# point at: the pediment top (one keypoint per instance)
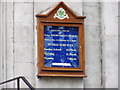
(60, 11)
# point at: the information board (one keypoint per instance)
(61, 46)
(60, 43)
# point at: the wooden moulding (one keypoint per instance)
(73, 21)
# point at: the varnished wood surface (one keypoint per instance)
(61, 75)
(73, 21)
(56, 7)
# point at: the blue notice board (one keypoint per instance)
(61, 47)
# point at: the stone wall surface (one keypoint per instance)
(18, 44)
(92, 44)
(109, 25)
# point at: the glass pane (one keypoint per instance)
(61, 46)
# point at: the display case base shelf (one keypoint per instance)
(60, 75)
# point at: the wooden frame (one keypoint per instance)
(73, 21)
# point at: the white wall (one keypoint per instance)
(92, 44)
(18, 44)
(109, 24)
(3, 42)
